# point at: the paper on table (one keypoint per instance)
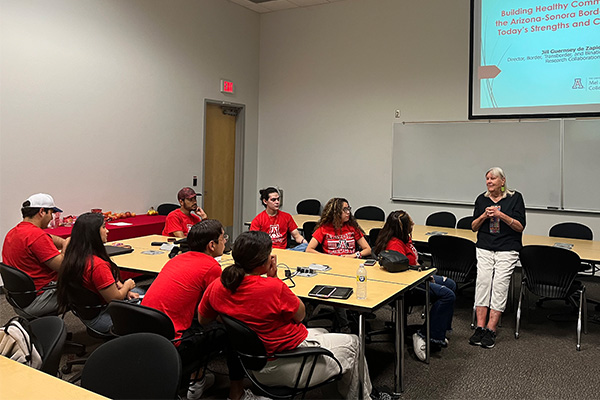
(120, 223)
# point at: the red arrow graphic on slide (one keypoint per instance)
(488, 71)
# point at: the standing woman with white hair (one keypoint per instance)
(499, 220)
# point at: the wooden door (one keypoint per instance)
(219, 165)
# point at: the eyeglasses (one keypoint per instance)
(347, 209)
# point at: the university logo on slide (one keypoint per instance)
(577, 84)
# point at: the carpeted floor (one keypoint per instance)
(542, 364)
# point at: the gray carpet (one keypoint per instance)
(541, 364)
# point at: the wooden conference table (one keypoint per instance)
(18, 381)
(382, 288)
(588, 250)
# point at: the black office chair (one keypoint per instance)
(309, 207)
(308, 228)
(550, 272)
(85, 305)
(51, 334)
(572, 230)
(373, 234)
(136, 366)
(372, 213)
(464, 222)
(253, 357)
(20, 290)
(454, 257)
(166, 208)
(443, 219)
(575, 230)
(129, 318)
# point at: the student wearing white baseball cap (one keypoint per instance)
(35, 252)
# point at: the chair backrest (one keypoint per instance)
(444, 219)
(131, 318)
(19, 287)
(309, 207)
(453, 257)
(549, 271)
(464, 222)
(373, 234)
(372, 213)
(136, 366)
(51, 334)
(308, 228)
(166, 208)
(572, 230)
(246, 343)
(84, 303)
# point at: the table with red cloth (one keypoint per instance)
(141, 225)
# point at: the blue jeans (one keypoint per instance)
(442, 310)
(103, 323)
(300, 247)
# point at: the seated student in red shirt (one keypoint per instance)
(179, 221)
(396, 235)
(33, 251)
(338, 232)
(276, 223)
(87, 264)
(177, 291)
(269, 307)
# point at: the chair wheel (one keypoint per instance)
(516, 335)
(578, 347)
(66, 369)
(472, 326)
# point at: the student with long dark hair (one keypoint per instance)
(396, 235)
(270, 309)
(86, 263)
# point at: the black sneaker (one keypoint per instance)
(475, 339)
(489, 339)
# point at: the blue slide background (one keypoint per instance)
(536, 82)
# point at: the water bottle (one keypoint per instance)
(361, 282)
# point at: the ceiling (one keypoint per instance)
(267, 6)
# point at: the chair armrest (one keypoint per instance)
(304, 351)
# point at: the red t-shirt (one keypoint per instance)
(338, 243)
(277, 227)
(27, 248)
(266, 305)
(99, 277)
(178, 221)
(180, 285)
(405, 248)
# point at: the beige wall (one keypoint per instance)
(102, 101)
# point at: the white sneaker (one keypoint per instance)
(248, 395)
(197, 389)
(420, 347)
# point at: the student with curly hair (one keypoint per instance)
(338, 232)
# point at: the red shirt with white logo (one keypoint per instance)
(277, 227)
(340, 242)
(178, 221)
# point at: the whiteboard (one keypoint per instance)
(446, 162)
(581, 165)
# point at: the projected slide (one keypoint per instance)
(536, 54)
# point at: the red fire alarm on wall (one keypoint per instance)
(226, 86)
